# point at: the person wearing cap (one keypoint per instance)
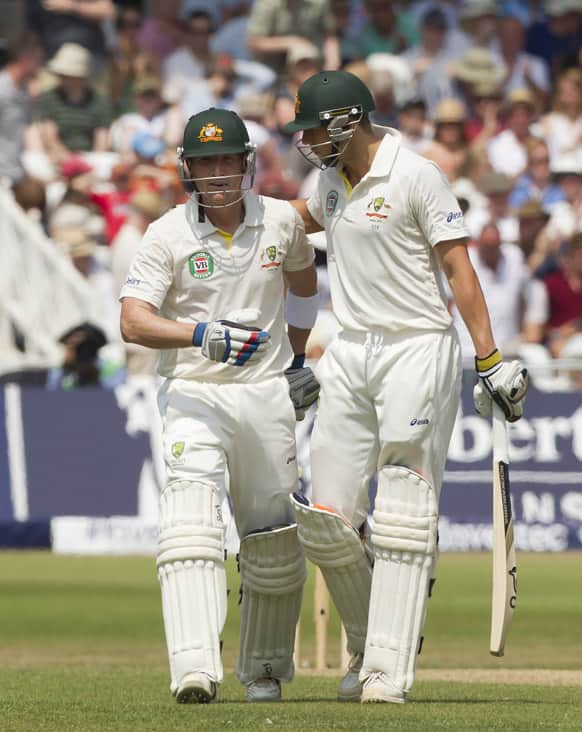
(390, 382)
(532, 219)
(72, 117)
(507, 150)
(151, 115)
(414, 125)
(566, 216)
(497, 188)
(206, 288)
(432, 48)
(478, 20)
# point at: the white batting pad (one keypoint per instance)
(272, 568)
(190, 559)
(335, 546)
(404, 540)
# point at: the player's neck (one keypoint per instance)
(360, 155)
(227, 218)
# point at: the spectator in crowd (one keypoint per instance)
(231, 36)
(24, 60)
(151, 115)
(524, 70)
(277, 25)
(303, 60)
(497, 188)
(347, 29)
(386, 31)
(536, 183)
(128, 61)
(477, 68)
(562, 126)
(81, 22)
(449, 147)
(82, 365)
(191, 59)
(414, 126)
(72, 117)
(144, 207)
(485, 101)
(557, 37)
(507, 150)
(432, 50)
(161, 32)
(566, 216)
(532, 219)
(514, 304)
(478, 20)
(565, 296)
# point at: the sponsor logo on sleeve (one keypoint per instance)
(454, 217)
(201, 265)
(134, 281)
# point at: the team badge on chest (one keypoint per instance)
(270, 254)
(331, 203)
(201, 265)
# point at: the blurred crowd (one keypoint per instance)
(94, 96)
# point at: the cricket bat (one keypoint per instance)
(504, 567)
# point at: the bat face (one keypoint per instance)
(504, 596)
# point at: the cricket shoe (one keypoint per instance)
(378, 688)
(264, 690)
(196, 688)
(350, 688)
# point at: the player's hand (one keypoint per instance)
(303, 388)
(232, 340)
(501, 382)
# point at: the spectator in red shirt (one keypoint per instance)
(565, 296)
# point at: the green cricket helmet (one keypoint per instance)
(217, 132)
(336, 100)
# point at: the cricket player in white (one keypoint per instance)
(207, 288)
(391, 381)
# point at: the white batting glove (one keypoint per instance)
(303, 386)
(504, 383)
(231, 340)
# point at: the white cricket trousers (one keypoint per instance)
(247, 428)
(385, 400)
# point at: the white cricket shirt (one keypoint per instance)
(383, 271)
(187, 270)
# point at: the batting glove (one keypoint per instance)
(232, 341)
(303, 386)
(501, 382)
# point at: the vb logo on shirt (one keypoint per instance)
(201, 265)
(331, 203)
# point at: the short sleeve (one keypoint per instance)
(435, 207)
(300, 253)
(151, 272)
(315, 208)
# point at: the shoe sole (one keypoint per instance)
(195, 695)
(384, 700)
(349, 697)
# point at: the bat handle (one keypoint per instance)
(500, 443)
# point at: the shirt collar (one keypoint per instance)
(254, 215)
(386, 152)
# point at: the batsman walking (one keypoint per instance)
(390, 383)
(207, 288)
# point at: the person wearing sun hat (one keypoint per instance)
(72, 117)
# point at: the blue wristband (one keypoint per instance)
(198, 334)
(298, 361)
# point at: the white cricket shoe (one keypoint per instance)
(350, 688)
(378, 688)
(196, 688)
(264, 690)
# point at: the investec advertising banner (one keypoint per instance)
(88, 465)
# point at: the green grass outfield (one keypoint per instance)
(82, 648)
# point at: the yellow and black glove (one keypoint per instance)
(501, 382)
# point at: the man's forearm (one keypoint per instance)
(151, 330)
(471, 304)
